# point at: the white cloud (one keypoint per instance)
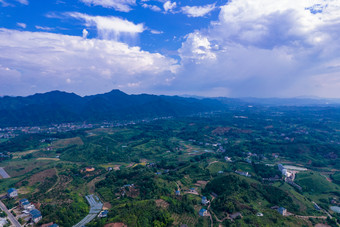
(44, 28)
(196, 48)
(109, 27)
(85, 33)
(5, 3)
(156, 32)
(198, 11)
(42, 61)
(119, 5)
(24, 2)
(21, 25)
(152, 7)
(169, 6)
(265, 48)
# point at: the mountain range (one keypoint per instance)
(60, 107)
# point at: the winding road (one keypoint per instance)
(95, 207)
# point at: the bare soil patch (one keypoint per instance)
(41, 176)
(22, 153)
(67, 142)
(107, 206)
(161, 203)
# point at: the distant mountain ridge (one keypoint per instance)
(59, 107)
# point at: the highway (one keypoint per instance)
(9, 215)
(95, 207)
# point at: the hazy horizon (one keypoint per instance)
(180, 95)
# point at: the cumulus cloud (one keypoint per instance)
(152, 7)
(41, 61)
(169, 6)
(198, 11)
(109, 27)
(266, 48)
(196, 48)
(85, 33)
(119, 5)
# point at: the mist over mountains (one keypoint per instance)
(59, 107)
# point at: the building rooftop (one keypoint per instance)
(35, 213)
(11, 190)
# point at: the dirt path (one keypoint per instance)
(92, 184)
(56, 183)
(210, 211)
(212, 162)
(307, 217)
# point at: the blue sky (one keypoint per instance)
(239, 48)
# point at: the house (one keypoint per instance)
(192, 190)
(204, 200)
(282, 211)
(280, 167)
(259, 214)
(3, 221)
(12, 193)
(21, 201)
(220, 172)
(89, 169)
(246, 174)
(227, 159)
(103, 214)
(35, 215)
(30, 207)
(178, 192)
(109, 168)
(25, 205)
(203, 212)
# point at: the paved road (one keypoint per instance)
(3, 173)
(9, 215)
(95, 207)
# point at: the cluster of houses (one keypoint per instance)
(26, 206)
(30, 209)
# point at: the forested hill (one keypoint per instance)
(59, 107)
